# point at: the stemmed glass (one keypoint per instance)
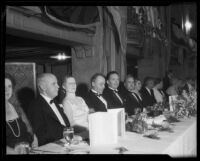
(68, 134)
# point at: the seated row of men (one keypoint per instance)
(48, 118)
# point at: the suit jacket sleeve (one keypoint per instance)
(45, 129)
(38, 123)
(89, 101)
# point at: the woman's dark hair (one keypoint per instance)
(157, 81)
(147, 79)
(110, 73)
(137, 80)
(11, 78)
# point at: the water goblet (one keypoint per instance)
(68, 134)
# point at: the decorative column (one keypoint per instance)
(168, 55)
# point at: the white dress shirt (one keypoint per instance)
(101, 98)
(54, 108)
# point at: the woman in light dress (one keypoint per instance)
(74, 107)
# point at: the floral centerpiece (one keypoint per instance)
(185, 104)
(157, 109)
(184, 108)
(136, 123)
(143, 124)
(160, 118)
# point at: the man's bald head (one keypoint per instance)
(47, 85)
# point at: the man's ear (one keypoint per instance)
(42, 87)
(107, 82)
(92, 84)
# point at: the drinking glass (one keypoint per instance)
(68, 134)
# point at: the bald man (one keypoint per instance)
(46, 116)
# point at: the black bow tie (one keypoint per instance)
(116, 91)
(52, 101)
(98, 95)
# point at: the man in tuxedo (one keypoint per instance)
(46, 116)
(133, 103)
(147, 92)
(95, 99)
(111, 93)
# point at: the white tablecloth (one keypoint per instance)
(180, 143)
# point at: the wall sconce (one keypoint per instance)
(188, 26)
(61, 56)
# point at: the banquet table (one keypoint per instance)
(182, 142)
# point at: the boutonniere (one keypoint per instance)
(61, 105)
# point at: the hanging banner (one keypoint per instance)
(117, 17)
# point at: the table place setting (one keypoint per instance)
(77, 147)
(69, 144)
(74, 144)
(61, 147)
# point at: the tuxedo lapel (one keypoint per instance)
(60, 109)
(97, 100)
(152, 93)
(147, 93)
(115, 97)
(47, 109)
(134, 96)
